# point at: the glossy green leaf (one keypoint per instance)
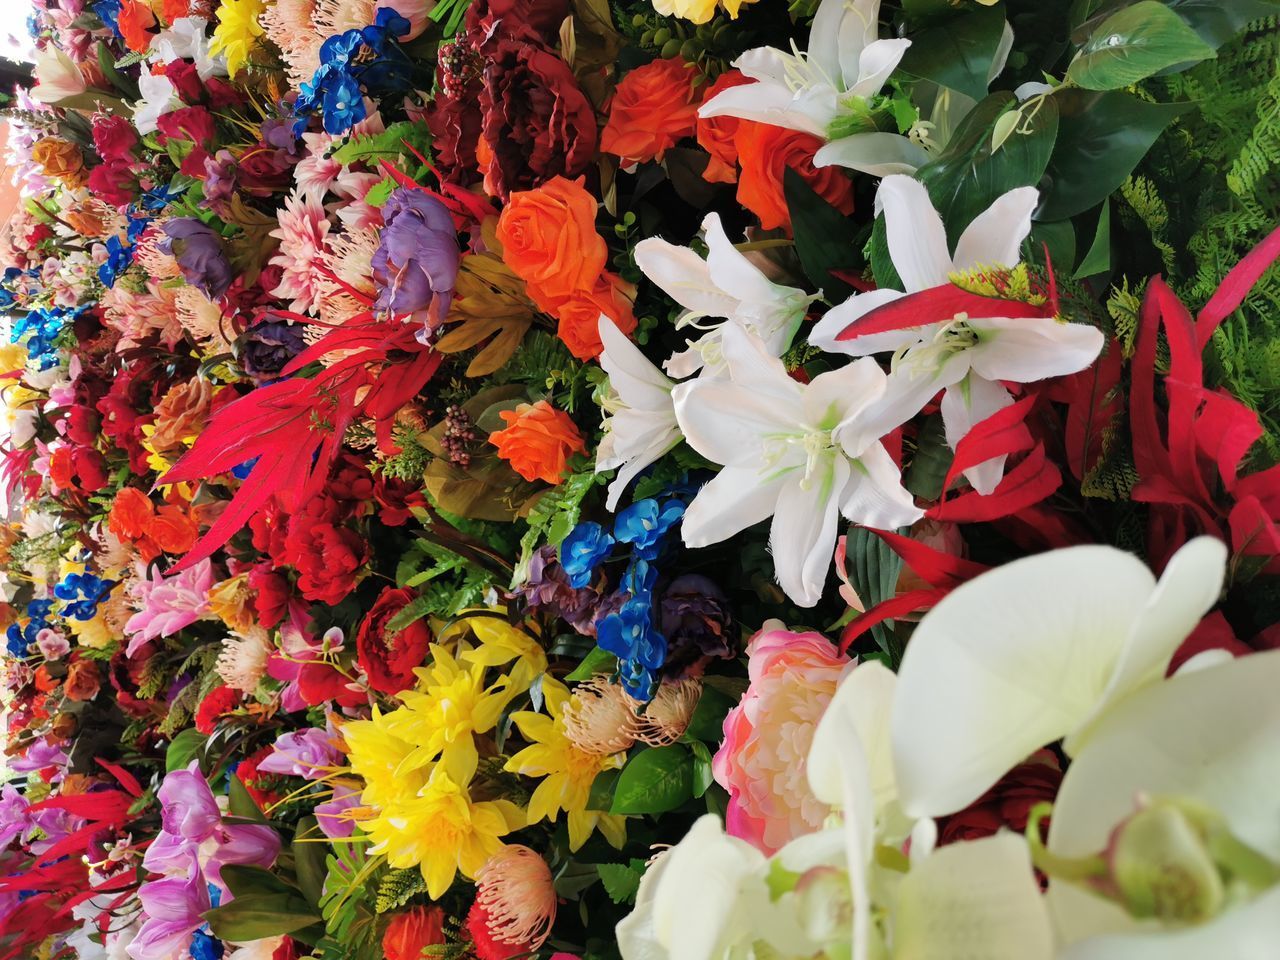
(183, 748)
(258, 917)
(928, 469)
(1098, 259)
(703, 776)
(1217, 21)
(309, 850)
(240, 803)
(1133, 44)
(826, 239)
(1101, 138)
(597, 661)
(958, 53)
(707, 722)
(873, 570)
(602, 788)
(655, 781)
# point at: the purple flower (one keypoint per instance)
(38, 756)
(696, 621)
(416, 263)
(14, 818)
(198, 250)
(305, 753)
(330, 814)
(220, 182)
(172, 908)
(279, 134)
(267, 346)
(548, 586)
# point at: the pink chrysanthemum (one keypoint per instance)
(303, 231)
(289, 25)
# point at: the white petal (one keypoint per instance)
(751, 363)
(839, 396)
(1211, 736)
(974, 899)
(731, 271)
(876, 496)
(971, 401)
(833, 27)
(684, 277)
(728, 422)
(803, 536)
(878, 60)
(1028, 349)
(767, 65)
(876, 154)
(766, 103)
(909, 388)
(734, 499)
(995, 236)
(687, 362)
(916, 236)
(1007, 663)
(1249, 932)
(638, 382)
(838, 318)
(645, 448)
(865, 697)
(1186, 591)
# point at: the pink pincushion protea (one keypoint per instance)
(766, 737)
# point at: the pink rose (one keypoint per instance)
(766, 737)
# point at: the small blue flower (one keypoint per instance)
(337, 51)
(343, 104)
(644, 524)
(108, 12)
(16, 642)
(119, 257)
(242, 471)
(205, 947)
(640, 578)
(637, 680)
(582, 550)
(641, 650)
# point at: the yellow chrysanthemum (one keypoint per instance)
(237, 32)
(441, 831)
(375, 753)
(453, 702)
(567, 770)
(95, 634)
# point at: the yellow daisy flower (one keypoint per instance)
(237, 32)
(567, 770)
(376, 753)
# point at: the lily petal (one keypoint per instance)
(879, 154)
(995, 236)
(685, 277)
(876, 496)
(1028, 349)
(803, 536)
(971, 401)
(838, 318)
(732, 500)
(877, 62)
(915, 233)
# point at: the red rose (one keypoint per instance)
(327, 557)
(263, 172)
(396, 498)
(654, 106)
(221, 94)
(388, 658)
(194, 124)
(186, 81)
(1007, 803)
(114, 182)
(114, 137)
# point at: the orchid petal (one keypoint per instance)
(1007, 663)
(994, 238)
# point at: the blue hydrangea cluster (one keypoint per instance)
(20, 639)
(629, 632)
(81, 593)
(351, 64)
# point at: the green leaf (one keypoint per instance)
(1098, 259)
(826, 239)
(928, 469)
(707, 722)
(703, 776)
(309, 853)
(183, 748)
(621, 880)
(260, 916)
(398, 887)
(1134, 44)
(600, 796)
(1217, 21)
(240, 803)
(958, 53)
(597, 661)
(1101, 138)
(873, 569)
(654, 781)
(387, 145)
(971, 173)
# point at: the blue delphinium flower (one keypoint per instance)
(582, 551)
(645, 523)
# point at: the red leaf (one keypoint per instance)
(1002, 433)
(934, 566)
(934, 305)
(890, 609)
(1031, 481)
(1236, 286)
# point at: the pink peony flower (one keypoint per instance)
(766, 737)
(168, 604)
(303, 231)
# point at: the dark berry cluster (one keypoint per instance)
(459, 432)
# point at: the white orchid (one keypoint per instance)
(185, 39)
(158, 96)
(801, 453)
(641, 426)
(966, 356)
(825, 91)
(725, 285)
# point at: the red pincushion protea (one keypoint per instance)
(515, 904)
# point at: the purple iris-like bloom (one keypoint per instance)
(14, 818)
(220, 182)
(416, 264)
(331, 815)
(548, 586)
(172, 908)
(304, 753)
(695, 619)
(268, 346)
(200, 255)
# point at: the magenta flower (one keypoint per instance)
(169, 604)
(305, 753)
(332, 814)
(172, 908)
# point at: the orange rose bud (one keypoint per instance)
(580, 315)
(716, 134)
(549, 240)
(412, 930)
(538, 441)
(653, 107)
(765, 152)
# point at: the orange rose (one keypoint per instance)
(411, 931)
(538, 441)
(549, 241)
(716, 134)
(765, 152)
(580, 315)
(61, 160)
(172, 530)
(130, 514)
(182, 413)
(83, 681)
(654, 106)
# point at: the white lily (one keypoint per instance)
(824, 92)
(57, 76)
(1211, 737)
(185, 39)
(801, 453)
(158, 96)
(968, 357)
(641, 425)
(1032, 652)
(725, 285)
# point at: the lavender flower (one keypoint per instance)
(416, 264)
(199, 253)
(304, 753)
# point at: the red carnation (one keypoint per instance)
(388, 658)
(219, 701)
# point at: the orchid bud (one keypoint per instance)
(1162, 866)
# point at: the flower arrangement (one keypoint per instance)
(488, 479)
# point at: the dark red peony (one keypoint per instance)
(387, 657)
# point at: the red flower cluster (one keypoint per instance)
(388, 658)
